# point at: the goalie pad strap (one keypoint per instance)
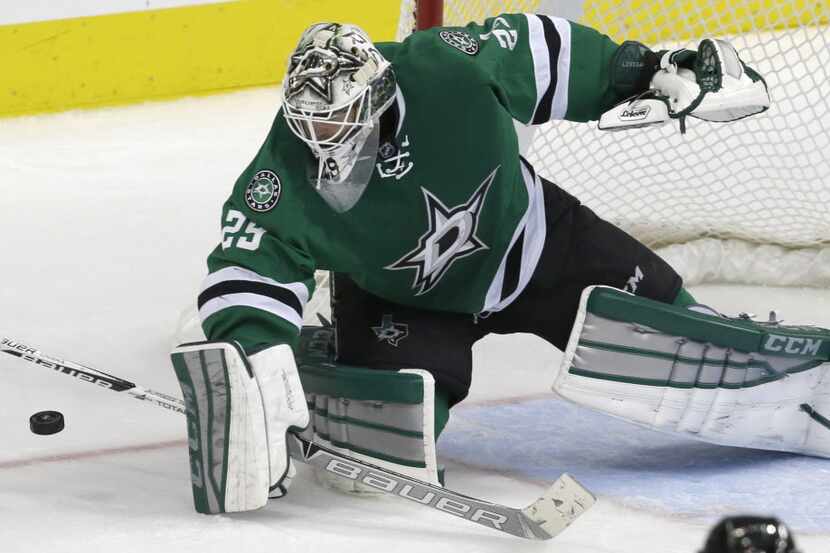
(726, 381)
(225, 427)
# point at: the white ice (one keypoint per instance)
(107, 217)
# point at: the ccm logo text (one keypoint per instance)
(792, 345)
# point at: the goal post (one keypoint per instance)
(428, 13)
(745, 202)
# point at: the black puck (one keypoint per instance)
(746, 534)
(46, 422)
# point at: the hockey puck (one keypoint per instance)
(46, 422)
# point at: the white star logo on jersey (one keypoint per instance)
(451, 236)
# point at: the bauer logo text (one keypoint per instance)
(33, 356)
(420, 494)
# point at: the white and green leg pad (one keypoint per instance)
(225, 427)
(722, 380)
(384, 417)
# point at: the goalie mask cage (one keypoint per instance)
(747, 201)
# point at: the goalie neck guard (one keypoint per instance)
(335, 90)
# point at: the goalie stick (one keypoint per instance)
(543, 519)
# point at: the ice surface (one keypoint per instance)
(107, 217)
(639, 468)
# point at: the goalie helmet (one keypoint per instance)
(336, 88)
(750, 534)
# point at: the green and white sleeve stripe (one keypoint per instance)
(550, 47)
(239, 287)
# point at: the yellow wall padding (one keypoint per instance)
(121, 58)
(651, 21)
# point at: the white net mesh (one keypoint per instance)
(761, 181)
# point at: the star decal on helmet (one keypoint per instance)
(315, 68)
(451, 236)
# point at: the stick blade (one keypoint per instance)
(560, 505)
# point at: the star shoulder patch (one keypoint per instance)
(451, 236)
(263, 192)
(460, 40)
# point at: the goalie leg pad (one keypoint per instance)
(225, 428)
(726, 381)
(384, 417)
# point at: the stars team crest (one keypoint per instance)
(451, 236)
(461, 41)
(263, 191)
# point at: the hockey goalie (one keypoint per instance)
(396, 167)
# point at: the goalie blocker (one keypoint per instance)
(726, 381)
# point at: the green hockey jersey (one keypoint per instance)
(452, 218)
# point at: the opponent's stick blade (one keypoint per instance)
(561, 504)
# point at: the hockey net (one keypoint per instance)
(741, 202)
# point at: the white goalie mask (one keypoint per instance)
(335, 90)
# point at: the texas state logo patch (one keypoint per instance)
(263, 191)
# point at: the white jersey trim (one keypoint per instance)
(541, 65)
(560, 97)
(534, 226)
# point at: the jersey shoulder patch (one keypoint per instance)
(263, 191)
(460, 40)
